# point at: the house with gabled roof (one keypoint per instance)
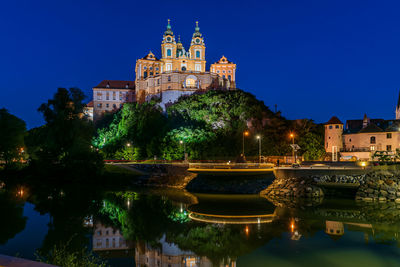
(359, 139)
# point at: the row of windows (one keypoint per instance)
(122, 95)
(373, 138)
(151, 68)
(150, 73)
(336, 127)
(99, 243)
(107, 232)
(224, 71)
(114, 106)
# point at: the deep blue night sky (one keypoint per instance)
(314, 59)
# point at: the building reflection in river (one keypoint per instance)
(169, 255)
(108, 240)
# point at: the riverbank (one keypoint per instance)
(377, 184)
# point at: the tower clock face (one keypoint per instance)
(197, 41)
(169, 39)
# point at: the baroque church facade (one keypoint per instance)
(176, 73)
(180, 71)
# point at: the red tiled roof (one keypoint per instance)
(334, 120)
(90, 104)
(112, 84)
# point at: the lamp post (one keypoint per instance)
(292, 136)
(184, 149)
(245, 133)
(259, 148)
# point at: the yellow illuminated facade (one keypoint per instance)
(181, 70)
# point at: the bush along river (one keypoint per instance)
(129, 226)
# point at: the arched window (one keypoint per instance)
(197, 54)
(169, 52)
(190, 82)
(373, 140)
(229, 77)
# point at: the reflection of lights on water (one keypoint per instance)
(128, 203)
(20, 192)
(181, 210)
(246, 230)
(292, 226)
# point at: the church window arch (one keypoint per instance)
(197, 54)
(169, 52)
(191, 81)
(372, 140)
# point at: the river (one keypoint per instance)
(146, 227)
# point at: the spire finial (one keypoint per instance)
(169, 25)
(197, 26)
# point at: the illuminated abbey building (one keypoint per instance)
(177, 72)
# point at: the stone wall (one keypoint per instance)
(376, 185)
(380, 186)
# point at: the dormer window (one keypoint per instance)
(127, 86)
(108, 85)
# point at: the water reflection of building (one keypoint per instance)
(334, 229)
(168, 255)
(108, 239)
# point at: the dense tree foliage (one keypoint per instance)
(206, 126)
(12, 132)
(65, 139)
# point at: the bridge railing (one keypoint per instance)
(231, 165)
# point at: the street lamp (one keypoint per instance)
(128, 144)
(184, 148)
(259, 148)
(245, 133)
(292, 136)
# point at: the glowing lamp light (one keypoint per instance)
(246, 133)
(128, 144)
(258, 137)
(291, 135)
(246, 230)
(363, 164)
